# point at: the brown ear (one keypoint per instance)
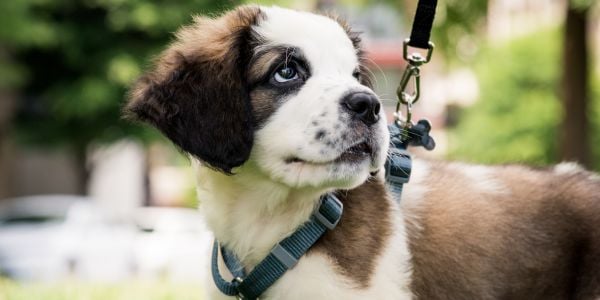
(197, 93)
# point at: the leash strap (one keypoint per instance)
(422, 23)
(403, 133)
(282, 257)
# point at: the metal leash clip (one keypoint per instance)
(412, 73)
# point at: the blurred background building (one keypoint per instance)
(511, 81)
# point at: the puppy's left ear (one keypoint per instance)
(197, 94)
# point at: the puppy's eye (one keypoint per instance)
(285, 74)
(356, 75)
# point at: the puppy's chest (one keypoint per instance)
(350, 262)
(364, 257)
(318, 276)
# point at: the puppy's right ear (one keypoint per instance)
(197, 94)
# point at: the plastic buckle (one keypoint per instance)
(329, 199)
(398, 166)
(284, 256)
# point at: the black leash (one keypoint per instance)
(422, 23)
(403, 132)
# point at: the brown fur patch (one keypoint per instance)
(263, 104)
(262, 61)
(206, 39)
(263, 99)
(198, 92)
(358, 241)
(536, 240)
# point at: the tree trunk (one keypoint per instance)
(83, 169)
(574, 143)
(6, 153)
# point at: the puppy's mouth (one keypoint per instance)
(353, 154)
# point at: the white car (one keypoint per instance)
(29, 231)
(52, 238)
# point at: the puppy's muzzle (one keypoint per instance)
(363, 106)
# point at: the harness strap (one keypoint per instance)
(422, 23)
(226, 287)
(282, 257)
(398, 165)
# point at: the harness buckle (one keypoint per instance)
(398, 166)
(238, 281)
(329, 200)
(239, 295)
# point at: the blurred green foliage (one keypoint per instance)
(458, 27)
(72, 62)
(518, 115)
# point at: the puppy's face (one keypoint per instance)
(271, 90)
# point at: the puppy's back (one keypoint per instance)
(507, 232)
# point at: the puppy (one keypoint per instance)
(274, 108)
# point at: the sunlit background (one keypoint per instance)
(94, 207)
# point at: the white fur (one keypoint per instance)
(413, 193)
(568, 168)
(482, 178)
(268, 198)
(290, 131)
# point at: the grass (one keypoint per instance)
(11, 290)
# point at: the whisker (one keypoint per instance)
(372, 62)
(371, 75)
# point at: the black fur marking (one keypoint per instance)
(203, 106)
(364, 76)
(320, 134)
(286, 53)
(274, 94)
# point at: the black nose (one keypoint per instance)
(365, 106)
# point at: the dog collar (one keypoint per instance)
(282, 257)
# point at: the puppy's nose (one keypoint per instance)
(365, 106)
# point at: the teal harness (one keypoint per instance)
(286, 253)
(282, 257)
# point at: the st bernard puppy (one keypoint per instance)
(274, 108)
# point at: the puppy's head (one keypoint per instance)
(268, 90)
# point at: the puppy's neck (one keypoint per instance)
(249, 213)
